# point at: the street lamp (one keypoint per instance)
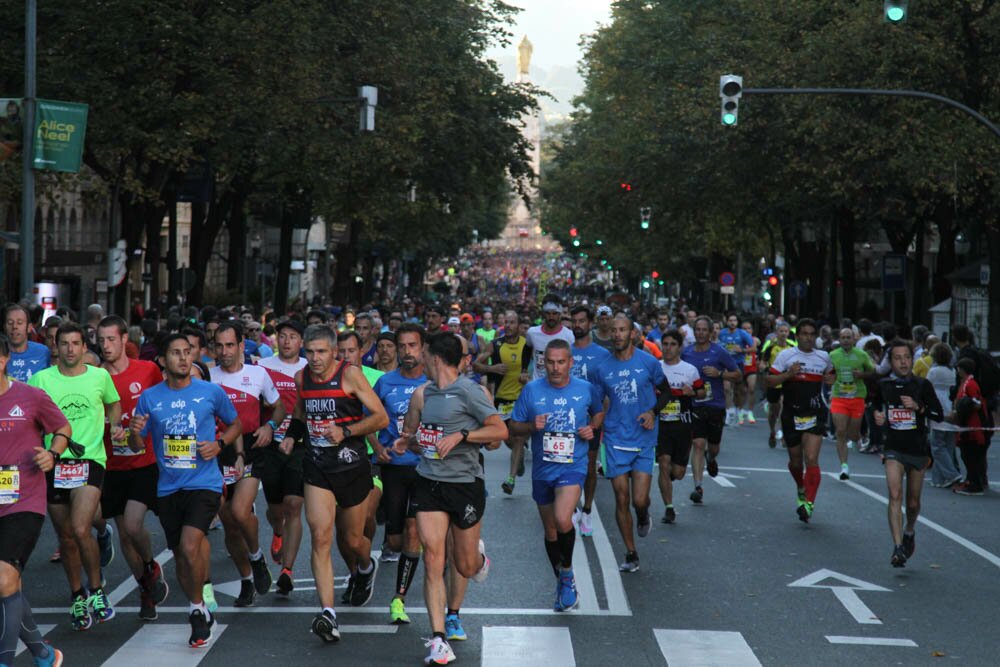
(962, 244)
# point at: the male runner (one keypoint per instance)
(281, 474)
(772, 348)
(738, 343)
(486, 330)
(905, 402)
(179, 417)
(602, 333)
(538, 338)
(249, 388)
(337, 473)
(448, 420)
(662, 326)
(629, 379)
(87, 396)
(26, 357)
(364, 326)
(29, 414)
(746, 395)
(560, 413)
(385, 350)
(715, 365)
(130, 481)
(673, 445)
(587, 356)
(847, 406)
(801, 371)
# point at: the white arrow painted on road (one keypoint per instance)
(722, 479)
(844, 592)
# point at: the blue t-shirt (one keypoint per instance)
(655, 335)
(395, 391)
(630, 387)
(715, 355)
(735, 342)
(569, 409)
(25, 364)
(178, 420)
(585, 362)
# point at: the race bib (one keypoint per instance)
(506, 409)
(180, 452)
(708, 393)
(671, 412)
(733, 348)
(805, 423)
(231, 476)
(557, 447)
(317, 429)
(10, 485)
(748, 361)
(428, 437)
(71, 475)
(902, 419)
(848, 389)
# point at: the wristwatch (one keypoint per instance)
(347, 432)
(274, 427)
(222, 443)
(465, 434)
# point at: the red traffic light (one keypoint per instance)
(772, 281)
(655, 274)
(626, 187)
(572, 231)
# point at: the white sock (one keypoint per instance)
(368, 570)
(331, 611)
(257, 555)
(198, 607)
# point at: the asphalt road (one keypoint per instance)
(736, 581)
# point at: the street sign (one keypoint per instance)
(797, 289)
(894, 272)
(727, 278)
(727, 289)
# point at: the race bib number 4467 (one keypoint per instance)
(71, 475)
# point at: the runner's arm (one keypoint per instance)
(355, 383)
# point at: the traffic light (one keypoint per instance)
(645, 213)
(599, 242)
(576, 243)
(659, 282)
(655, 274)
(772, 281)
(895, 11)
(767, 271)
(572, 232)
(645, 284)
(730, 90)
(625, 187)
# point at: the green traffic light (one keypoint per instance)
(576, 243)
(895, 14)
(645, 284)
(729, 118)
(659, 282)
(599, 242)
(645, 224)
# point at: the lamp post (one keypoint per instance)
(255, 244)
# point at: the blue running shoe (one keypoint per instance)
(453, 628)
(567, 591)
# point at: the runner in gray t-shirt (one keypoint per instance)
(449, 418)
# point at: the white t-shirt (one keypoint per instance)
(538, 339)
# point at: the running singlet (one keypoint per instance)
(735, 342)
(487, 336)
(23, 365)
(558, 448)
(538, 339)
(82, 399)
(130, 383)
(803, 392)
(844, 364)
(326, 403)
(630, 387)
(245, 389)
(28, 413)
(283, 376)
(370, 358)
(678, 408)
(178, 419)
(905, 428)
(509, 354)
(395, 392)
(716, 357)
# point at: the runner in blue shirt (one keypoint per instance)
(180, 416)
(560, 414)
(26, 357)
(737, 343)
(629, 380)
(715, 365)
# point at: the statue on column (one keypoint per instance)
(524, 50)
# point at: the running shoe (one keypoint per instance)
(201, 629)
(247, 594)
(898, 556)
(53, 659)
(349, 591)
(697, 495)
(324, 626)
(568, 598)
(508, 486)
(276, 543)
(850, 444)
(155, 584)
(480, 576)
(388, 555)
(669, 515)
(750, 418)
(284, 585)
(261, 575)
(56, 557)
(712, 467)
(909, 545)
(100, 606)
(106, 543)
(147, 609)
(631, 562)
(643, 527)
(772, 441)
(364, 585)
(967, 489)
(397, 612)
(208, 597)
(845, 474)
(586, 524)
(453, 629)
(805, 511)
(781, 435)
(80, 611)
(740, 421)
(440, 652)
(801, 495)
(576, 518)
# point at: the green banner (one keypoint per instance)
(59, 131)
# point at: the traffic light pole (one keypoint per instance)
(879, 92)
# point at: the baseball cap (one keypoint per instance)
(291, 324)
(466, 317)
(386, 335)
(454, 321)
(604, 310)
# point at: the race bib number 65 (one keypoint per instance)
(558, 447)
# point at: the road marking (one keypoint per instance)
(845, 594)
(123, 589)
(162, 646)
(702, 648)
(549, 646)
(232, 588)
(43, 629)
(613, 587)
(721, 480)
(586, 593)
(785, 471)
(870, 641)
(279, 609)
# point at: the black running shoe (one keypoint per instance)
(644, 525)
(696, 495)
(898, 556)
(669, 515)
(712, 467)
(201, 629)
(147, 609)
(364, 586)
(247, 594)
(772, 441)
(349, 592)
(284, 585)
(909, 545)
(804, 511)
(261, 575)
(325, 627)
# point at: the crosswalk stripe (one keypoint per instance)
(587, 594)
(43, 628)
(162, 646)
(704, 648)
(613, 587)
(514, 645)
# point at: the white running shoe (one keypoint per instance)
(480, 577)
(440, 654)
(586, 524)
